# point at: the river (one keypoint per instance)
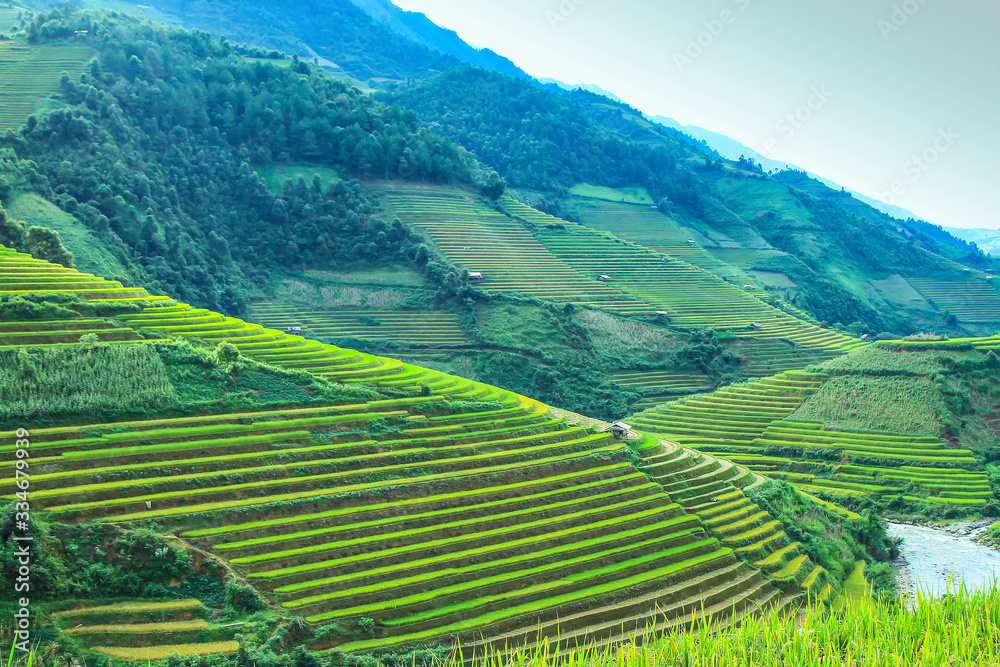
(933, 555)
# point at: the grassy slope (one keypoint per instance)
(627, 195)
(89, 252)
(274, 176)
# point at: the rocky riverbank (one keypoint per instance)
(939, 558)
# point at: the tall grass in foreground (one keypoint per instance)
(960, 629)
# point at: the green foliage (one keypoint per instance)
(37, 307)
(882, 360)
(45, 244)
(829, 539)
(171, 103)
(199, 383)
(59, 307)
(92, 561)
(565, 367)
(226, 354)
(888, 404)
(242, 598)
(48, 572)
(12, 232)
(38, 241)
(60, 381)
(881, 578)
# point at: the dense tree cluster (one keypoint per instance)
(154, 148)
(338, 30)
(544, 141)
(40, 242)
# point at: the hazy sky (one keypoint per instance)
(874, 94)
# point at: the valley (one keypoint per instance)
(449, 366)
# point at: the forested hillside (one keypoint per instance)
(154, 146)
(833, 257)
(379, 425)
(547, 143)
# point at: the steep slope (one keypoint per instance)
(189, 215)
(565, 261)
(901, 425)
(22, 275)
(386, 520)
(831, 263)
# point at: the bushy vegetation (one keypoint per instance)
(568, 354)
(830, 540)
(80, 380)
(20, 307)
(887, 404)
(883, 360)
(486, 111)
(91, 561)
(37, 241)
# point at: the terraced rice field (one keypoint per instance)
(969, 301)
(23, 274)
(749, 426)
(29, 73)
(984, 343)
(659, 385)
(504, 251)
(690, 295)
(564, 261)
(437, 328)
(712, 489)
(145, 631)
(763, 358)
(921, 468)
(44, 333)
(650, 228)
(164, 318)
(490, 523)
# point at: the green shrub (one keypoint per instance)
(242, 598)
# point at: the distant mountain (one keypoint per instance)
(732, 149)
(420, 29)
(556, 85)
(988, 240)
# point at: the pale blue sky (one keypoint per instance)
(870, 84)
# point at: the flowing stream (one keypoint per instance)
(934, 555)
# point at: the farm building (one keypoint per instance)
(620, 430)
(692, 242)
(867, 338)
(756, 326)
(748, 288)
(604, 278)
(475, 276)
(293, 329)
